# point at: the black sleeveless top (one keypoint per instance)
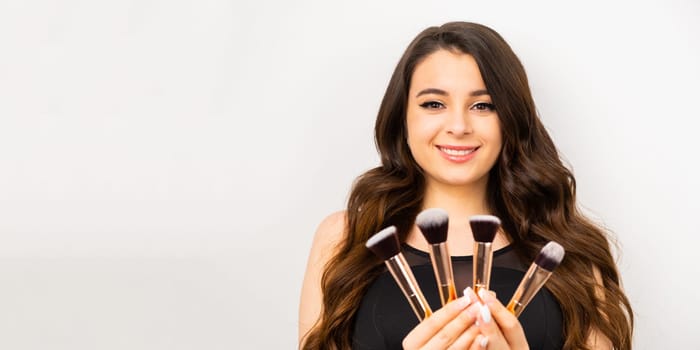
(385, 316)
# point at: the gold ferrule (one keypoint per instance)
(442, 267)
(483, 255)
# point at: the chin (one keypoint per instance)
(457, 182)
(462, 180)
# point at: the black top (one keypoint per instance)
(385, 316)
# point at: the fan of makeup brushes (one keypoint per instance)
(433, 224)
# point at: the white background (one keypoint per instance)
(164, 164)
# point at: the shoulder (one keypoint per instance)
(332, 227)
(329, 234)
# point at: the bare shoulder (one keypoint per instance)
(328, 234)
(331, 229)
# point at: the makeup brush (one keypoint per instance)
(433, 224)
(547, 260)
(484, 228)
(385, 244)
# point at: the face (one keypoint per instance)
(453, 128)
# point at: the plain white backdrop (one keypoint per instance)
(164, 164)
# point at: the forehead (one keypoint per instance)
(451, 71)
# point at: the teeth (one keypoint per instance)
(454, 152)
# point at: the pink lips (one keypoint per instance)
(457, 154)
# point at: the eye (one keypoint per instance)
(484, 106)
(432, 105)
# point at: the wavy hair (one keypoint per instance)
(529, 188)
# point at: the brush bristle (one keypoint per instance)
(384, 243)
(433, 224)
(484, 227)
(550, 256)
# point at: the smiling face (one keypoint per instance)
(452, 125)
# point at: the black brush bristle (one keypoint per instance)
(433, 224)
(384, 243)
(484, 227)
(550, 256)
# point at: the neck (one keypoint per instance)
(460, 203)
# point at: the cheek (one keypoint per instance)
(498, 138)
(498, 142)
(413, 131)
(413, 143)
(494, 132)
(422, 127)
(418, 136)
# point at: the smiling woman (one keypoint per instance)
(457, 129)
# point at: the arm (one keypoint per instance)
(327, 236)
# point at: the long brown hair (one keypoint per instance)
(529, 189)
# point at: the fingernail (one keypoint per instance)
(467, 290)
(485, 313)
(483, 294)
(483, 341)
(463, 302)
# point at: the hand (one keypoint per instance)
(498, 327)
(451, 327)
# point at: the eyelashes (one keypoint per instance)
(484, 106)
(432, 105)
(479, 106)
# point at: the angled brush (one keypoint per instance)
(385, 245)
(549, 257)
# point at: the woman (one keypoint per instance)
(457, 129)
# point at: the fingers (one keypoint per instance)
(431, 326)
(455, 329)
(499, 325)
(463, 324)
(480, 343)
(451, 327)
(467, 339)
(484, 320)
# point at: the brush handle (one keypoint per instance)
(403, 276)
(442, 267)
(532, 282)
(483, 255)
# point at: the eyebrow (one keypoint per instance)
(444, 93)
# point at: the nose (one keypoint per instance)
(458, 123)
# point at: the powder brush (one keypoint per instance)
(433, 223)
(484, 228)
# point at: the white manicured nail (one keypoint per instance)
(463, 301)
(484, 341)
(485, 313)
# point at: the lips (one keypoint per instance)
(457, 153)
